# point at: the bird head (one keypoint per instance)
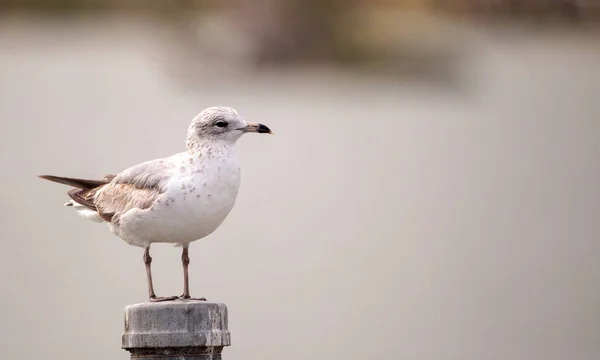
(220, 123)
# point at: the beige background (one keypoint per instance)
(385, 219)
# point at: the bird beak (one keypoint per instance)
(257, 128)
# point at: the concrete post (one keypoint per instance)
(176, 330)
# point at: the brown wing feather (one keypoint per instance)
(83, 197)
(113, 200)
(78, 183)
(137, 187)
(86, 198)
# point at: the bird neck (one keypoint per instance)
(209, 147)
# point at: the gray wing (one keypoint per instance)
(147, 175)
(137, 187)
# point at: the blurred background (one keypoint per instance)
(431, 192)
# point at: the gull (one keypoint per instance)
(178, 199)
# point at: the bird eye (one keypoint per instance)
(221, 124)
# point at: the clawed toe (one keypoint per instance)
(163, 298)
(187, 297)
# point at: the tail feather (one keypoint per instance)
(78, 183)
(82, 197)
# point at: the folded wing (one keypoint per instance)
(137, 187)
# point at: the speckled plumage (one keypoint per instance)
(177, 199)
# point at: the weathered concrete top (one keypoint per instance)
(175, 324)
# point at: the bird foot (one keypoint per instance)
(187, 297)
(162, 298)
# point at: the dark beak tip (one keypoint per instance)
(263, 129)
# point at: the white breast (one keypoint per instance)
(199, 195)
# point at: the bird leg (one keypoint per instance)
(151, 295)
(185, 260)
